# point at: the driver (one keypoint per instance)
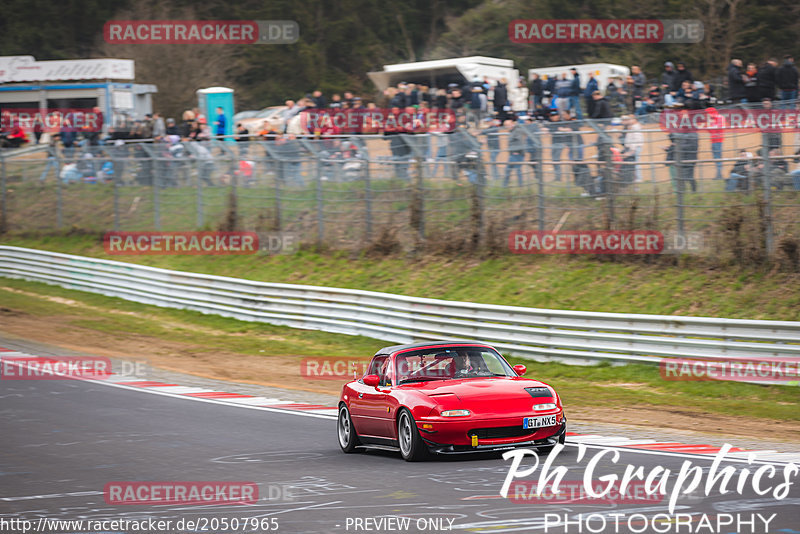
(463, 364)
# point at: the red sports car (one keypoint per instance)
(448, 398)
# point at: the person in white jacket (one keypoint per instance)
(519, 99)
(633, 142)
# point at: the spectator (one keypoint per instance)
(516, 151)
(687, 146)
(172, 128)
(474, 111)
(716, 132)
(242, 136)
(773, 136)
(159, 128)
(501, 99)
(425, 95)
(681, 75)
(519, 99)
(319, 99)
(38, 129)
(591, 87)
(751, 89)
(786, 79)
(639, 82)
(560, 138)
(740, 173)
(601, 108)
(633, 143)
(336, 101)
(563, 93)
(440, 102)
(613, 94)
(736, 81)
(186, 124)
(575, 95)
(537, 91)
(766, 79)
(549, 90)
(492, 134)
(668, 77)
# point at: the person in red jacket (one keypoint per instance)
(716, 125)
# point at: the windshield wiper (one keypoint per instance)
(420, 379)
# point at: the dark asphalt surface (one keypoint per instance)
(61, 441)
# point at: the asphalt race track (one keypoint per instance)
(64, 440)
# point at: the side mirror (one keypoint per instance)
(372, 381)
(520, 369)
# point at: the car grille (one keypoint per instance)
(501, 432)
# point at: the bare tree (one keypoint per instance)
(178, 70)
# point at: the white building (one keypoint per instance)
(104, 83)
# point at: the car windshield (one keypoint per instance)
(451, 363)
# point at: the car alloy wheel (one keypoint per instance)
(412, 448)
(348, 439)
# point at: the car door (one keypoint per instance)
(368, 404)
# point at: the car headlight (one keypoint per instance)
(546, 406)
(456, 413)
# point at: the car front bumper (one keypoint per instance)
(497, 445)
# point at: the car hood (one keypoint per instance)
(471, 390)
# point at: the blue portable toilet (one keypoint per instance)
(211, 98)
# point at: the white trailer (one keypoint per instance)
(441, 72)
(602, 72)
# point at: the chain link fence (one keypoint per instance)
(448, 192)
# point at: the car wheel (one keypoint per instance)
(348, 439)
(412, 448)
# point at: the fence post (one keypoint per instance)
(417, 211)
(200, 218)
(156, 195)
(59, 194)
(278, 178)
(116, 179)
(679, 182)
(538, 170)
(768, 237)
(320, 220)
(3, 200)
(367, 202)
(478, 204)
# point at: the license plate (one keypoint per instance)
(539, 422)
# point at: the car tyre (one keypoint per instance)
(561, 439)
(412, 447)
(346, 432)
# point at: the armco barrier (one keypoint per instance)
(538, 334)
